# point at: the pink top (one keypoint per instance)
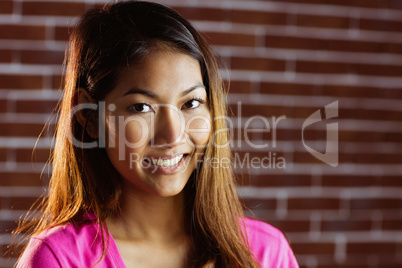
(81, 246)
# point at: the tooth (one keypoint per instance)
(167, 162)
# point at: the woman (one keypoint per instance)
(133, 184)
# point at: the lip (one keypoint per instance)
(166, 170)
(165, 157)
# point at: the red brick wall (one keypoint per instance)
(285, 58)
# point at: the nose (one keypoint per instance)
(169, 127)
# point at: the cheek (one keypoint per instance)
(199, 128)
(132, 132)
(136, 133)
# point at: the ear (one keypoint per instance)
(87, 118)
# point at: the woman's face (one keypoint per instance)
(158, 122)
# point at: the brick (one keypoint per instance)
(389, 136)
(323, 67)
(344, 135)
(291, 226)
(307, 158)
(21, 179)
(347, 180)
(357, 261)
(201, 13)
(313, 248)
(230, 39)
(357, 92)
(22, 203)
(351, 3)
(289, 89)
(291, 134)
(23, 32)
(328, 90)
(387, 181)
(305, 112)
(394, 4)
(42, 57)
(276, 41)
(322, 21)
(266, 204)
(3, 154)
(263, 110)
(53, 8)
(353, 46)
(313, 203)
(7, 225)
(37, 106)
(362, 136)
(6, 55)
(375, 203)
(258, 17)
(6, 7)
(21, 130)
(57, 81)
(392, 48)
(239, 86)
(378, 70)
(371, 248)
(364, 114)
(377, 158)
(3, 106)
(30, 155)
(21, 81)
(293, 42)
(62, 33)
(391, 225)
(312, 134)
(361, 46)
(380, 25)
(296, 180)
(260, 64)
(348, 225)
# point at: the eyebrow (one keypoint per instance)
(153, 95)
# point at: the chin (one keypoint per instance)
(169, 192)
(166, 189)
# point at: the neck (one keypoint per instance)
(147, 217)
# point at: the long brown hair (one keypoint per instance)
(103, 43)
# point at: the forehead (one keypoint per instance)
(161, 72)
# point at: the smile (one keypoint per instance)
(167, 162)
(164, 162)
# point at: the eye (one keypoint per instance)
(140, 108)
(193, 103)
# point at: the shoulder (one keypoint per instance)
(69, 235)
(268, 244)
(68, 245)
(38, 254)
(263, 236)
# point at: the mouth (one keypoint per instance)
(164, 162)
